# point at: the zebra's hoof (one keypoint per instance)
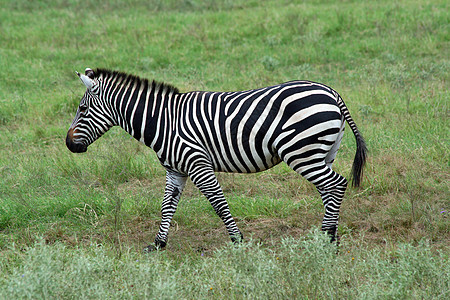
(334, 238)
(153, 248)
(237, 239)
(149, 248)
(332, 233)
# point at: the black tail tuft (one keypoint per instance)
(361, 149)
(359, 161)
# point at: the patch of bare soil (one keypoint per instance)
(138, 233)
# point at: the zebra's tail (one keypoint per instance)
(361, 149)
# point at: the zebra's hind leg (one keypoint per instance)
(332, 194)
(331, 187)
(175, 183)
(205, 180)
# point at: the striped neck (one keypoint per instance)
(136, 104)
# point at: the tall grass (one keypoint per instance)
(298, 268)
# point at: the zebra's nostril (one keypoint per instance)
(74, 147)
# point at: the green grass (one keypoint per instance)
(389, 61)
(295, 268)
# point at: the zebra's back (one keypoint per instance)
(245, 131)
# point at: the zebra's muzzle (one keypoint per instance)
(74, 147)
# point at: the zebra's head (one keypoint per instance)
(91, 120)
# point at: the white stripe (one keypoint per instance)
(122, 117)
(307, 133)
(155, 94)
(309, 111)
(134, 108)
(158, 122)
(144, 116)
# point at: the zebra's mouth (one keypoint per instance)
(75, 147)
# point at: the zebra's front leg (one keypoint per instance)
(175, 183)
(205, 180)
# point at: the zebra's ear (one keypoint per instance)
(88, 82)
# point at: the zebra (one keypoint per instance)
(196, 134)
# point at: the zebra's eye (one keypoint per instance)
(83, 108)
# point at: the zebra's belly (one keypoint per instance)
(246, 164)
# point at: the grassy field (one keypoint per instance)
(73, 226)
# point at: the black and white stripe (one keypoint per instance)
(198, 133)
